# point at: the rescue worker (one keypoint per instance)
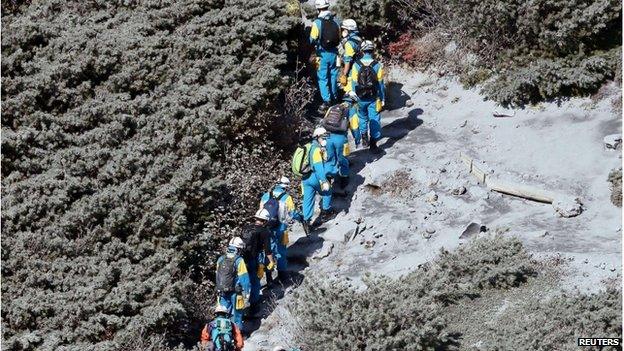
(338, 149)
(349, 48)
(221, 334)
(232, 281)
(367, 88)
(325, 36)
(287, 212)
(257, 253)
(317, 182)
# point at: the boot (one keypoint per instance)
(327, 215)
(365, 140)
(307, 227)
(373, 145)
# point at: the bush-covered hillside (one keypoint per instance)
(522, 51)
(418, 311)
(125, 125)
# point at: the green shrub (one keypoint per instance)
(124, 127)
(419, 311)
(407, 312)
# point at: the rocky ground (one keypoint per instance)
(417, 196)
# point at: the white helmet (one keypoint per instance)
(321, 4)
(237, 243)
(349, 25)
(284, 181)
(319, 131)
(221, 309)
(367, 45)
(262, 214)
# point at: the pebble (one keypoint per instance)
(463, 124)
(432, 197)
(460, 190)
(409, 103)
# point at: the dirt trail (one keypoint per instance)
(406, 222)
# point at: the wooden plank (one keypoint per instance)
(522, 190)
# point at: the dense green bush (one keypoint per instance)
(125, 124)
(417, 311)
(534, 50)
(408, 312)
(557, 323)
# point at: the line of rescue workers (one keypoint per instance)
(346, 70)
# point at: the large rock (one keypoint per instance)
(325, 251)
(568, 207)
(613, 141)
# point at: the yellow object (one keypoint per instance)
(378, 105)
(285, 239)
(345, 150)
(260, 272)
(242, 268)
(354, 123)
(342, 80)
(349, 51)
(240, 302)
(317, 156)
(314, 31)
(270, 266)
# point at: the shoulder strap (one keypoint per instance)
(281, 195)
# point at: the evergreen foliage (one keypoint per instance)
(531, 50)
(413, 312)
(125, 124)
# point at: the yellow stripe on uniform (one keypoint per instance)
(380, 73)
(290, 204)
(349, 51)
(242, 269)
(354, 123)
(317, 156)
(314, 31)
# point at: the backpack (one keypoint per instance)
(330, 33)
(273, 207)
(300, 164)
(223, 338)
(226, 274)
(367, 81)
(335, 119)
(250, 238)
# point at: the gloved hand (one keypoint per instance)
(342, 80)
(325, 186)
(353, 95)
(246, 304)
(271, 265)
(238, 289)
(260, 271)
(315, 61)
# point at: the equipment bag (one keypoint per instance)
(226, 274)
(300, 164)
(273, 207)
(367, 81)
(224, 340)
(337, 118)
(330, 33)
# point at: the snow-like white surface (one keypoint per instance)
(554, 147)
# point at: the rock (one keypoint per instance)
(460, 190)
(603, 266)
(442, 170)
(567, 207)
(463, 124)
(433, 181)
(431, 197)
(450, 48)
(613, 141)
(377, 235)
(585, 261)
(545, 234)
(369, 244)
(472, 229)
(612, 269)
(426, 235)
(409, 103)
(325, 251)
(430, 230)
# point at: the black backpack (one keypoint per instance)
(250, 238)
(367, 81)
(336, 119)
(226, 274)
(272, 206)
(330, 33)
